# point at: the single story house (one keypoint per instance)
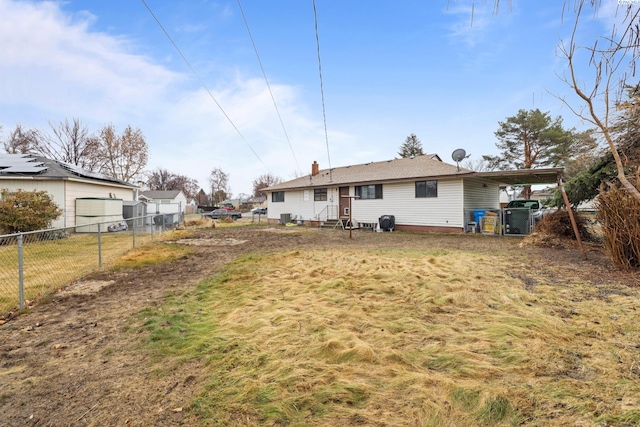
(164, 202)
(62, 181)
(422, 193)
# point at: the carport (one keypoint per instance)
(524, 177)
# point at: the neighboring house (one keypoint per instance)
(422, 193)
(257, 201)
(192, 205)
(164, 202)
(63, 182)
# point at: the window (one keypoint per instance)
(369, 191)
(320, 194)
(277, 196)
(426, 188)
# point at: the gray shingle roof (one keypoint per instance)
(404, 169)
(41, 167)
(160, 194)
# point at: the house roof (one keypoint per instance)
(25, 166)
(161, 194)
(403, 169)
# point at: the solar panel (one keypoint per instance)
(24, 169)
(83, 172)
(20, 163)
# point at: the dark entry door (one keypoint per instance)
(344, 201)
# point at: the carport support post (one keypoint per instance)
(571, 217)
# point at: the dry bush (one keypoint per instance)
(618, 213)
(558, 224)
(555, 231)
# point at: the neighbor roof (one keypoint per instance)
(26, 166)
(161, 194)
(403, 169)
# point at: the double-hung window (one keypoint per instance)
(426, 188)
(369, 191)
(277, 196)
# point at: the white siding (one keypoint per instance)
(399, 199)
(481, 193)
(300, 205)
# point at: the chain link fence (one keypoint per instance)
(39, 262)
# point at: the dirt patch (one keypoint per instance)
(210, 242)
(86, 287)
(76, 360)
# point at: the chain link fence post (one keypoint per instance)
(20, 273)
(99, 248)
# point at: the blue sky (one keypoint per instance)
(389, 69)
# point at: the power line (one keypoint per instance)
(324, 113)
(268, 85)
(202, 83)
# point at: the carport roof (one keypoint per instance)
(523, 177)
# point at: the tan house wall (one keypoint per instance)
(65, 192)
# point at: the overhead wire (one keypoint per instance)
(255, 49)
(184, 58)
(324, 112)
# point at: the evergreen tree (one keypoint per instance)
(411, 147)
(531, 139)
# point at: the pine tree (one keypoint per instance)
(411, 147)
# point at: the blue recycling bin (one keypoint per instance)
(478, 214)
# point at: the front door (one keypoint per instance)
(344, 202)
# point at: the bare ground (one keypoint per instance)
(76, 360)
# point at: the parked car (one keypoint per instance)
(259, 211)
(223, 213)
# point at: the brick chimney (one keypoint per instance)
(315, 168)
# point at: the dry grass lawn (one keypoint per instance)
(402, 337)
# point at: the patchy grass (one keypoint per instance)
(52, 264)
(150, 254)
(347, 337)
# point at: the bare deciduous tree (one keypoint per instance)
(612, 59)
(72, 143)
(219, 181)
(122, 156)
(22, 141)
(162, 179)
(264, 181)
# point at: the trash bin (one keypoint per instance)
(478, 214)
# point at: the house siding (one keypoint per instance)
(76, 190)
(399, 199)
(64, 194)
(301, 205)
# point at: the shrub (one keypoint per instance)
(619, 215)
(22, 211)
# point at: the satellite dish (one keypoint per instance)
(458, 156)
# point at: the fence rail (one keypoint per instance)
(39, 262)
